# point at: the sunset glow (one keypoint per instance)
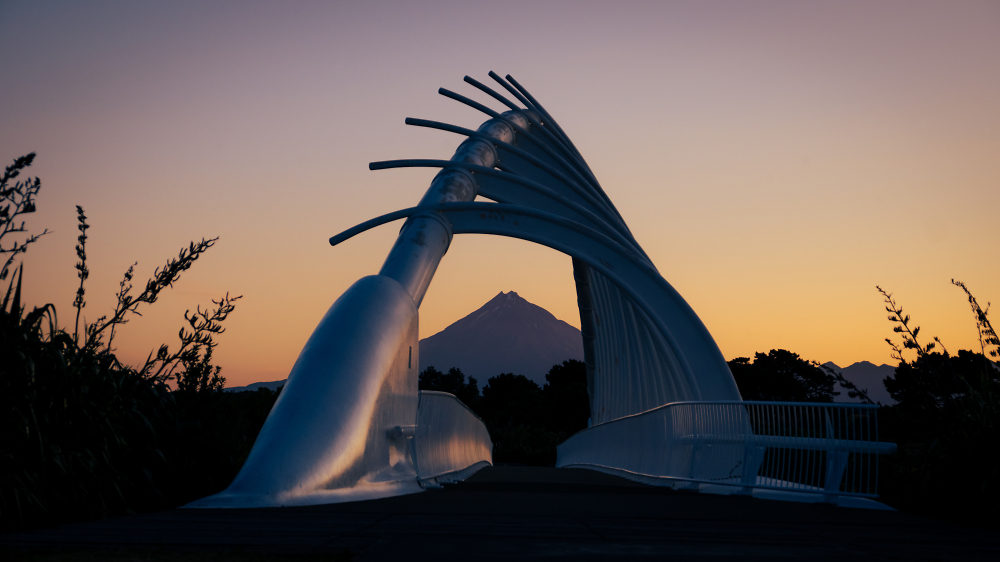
(776, 160)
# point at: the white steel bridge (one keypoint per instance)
(350, 423)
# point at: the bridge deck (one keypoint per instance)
(516, 513)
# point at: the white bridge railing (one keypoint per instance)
(820, 448)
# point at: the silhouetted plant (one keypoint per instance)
(194, 342)
(82, 435)
(939, 382)
(525, 422)
(782, 376)
(16, 200)
(987, 335)
(566, 398)
(127, 304)
(946, 423)
(85, 436)
(513, 399)
(81, 268)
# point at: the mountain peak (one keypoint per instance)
(508, 334)
(867, 365)
(502, 296)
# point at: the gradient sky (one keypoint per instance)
(776, 160)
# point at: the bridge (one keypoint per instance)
(352, 425)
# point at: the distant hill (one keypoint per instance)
(867, 376)
(510, 335)
(506, 335)
(273, 385)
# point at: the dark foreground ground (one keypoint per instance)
(517, 513)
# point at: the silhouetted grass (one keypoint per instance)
(85, 436)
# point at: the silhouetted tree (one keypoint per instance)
(566, 400)
(515, 412)
(782, 376)
(452, 382)
(513, 399)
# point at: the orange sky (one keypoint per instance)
(776, 160)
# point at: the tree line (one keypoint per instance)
(525, 421)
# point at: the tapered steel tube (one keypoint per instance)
(424, 239)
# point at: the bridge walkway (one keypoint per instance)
(525, 513)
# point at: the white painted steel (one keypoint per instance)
(823, 449)
(328, 439)
(449, 437)
(424, 239)
(349, 424)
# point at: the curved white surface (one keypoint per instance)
(327, 438)
(449, 437)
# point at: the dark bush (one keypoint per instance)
(566, 399)
(946, 423)
(782, 376)
(83, 436)
(525, 422)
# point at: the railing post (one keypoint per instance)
(836, 462)
(752, 459)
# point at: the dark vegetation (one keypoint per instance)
(86, 436)
(525, 421)
(946, 423)
(782, 376)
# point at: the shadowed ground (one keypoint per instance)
(517, 513)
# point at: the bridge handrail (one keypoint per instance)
(815, 447)
(449, 437)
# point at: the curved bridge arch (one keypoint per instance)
(690, 344)
(351, 424)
